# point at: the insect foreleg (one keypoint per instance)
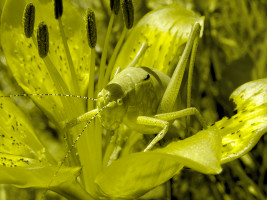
(82, 118)
(162, 120)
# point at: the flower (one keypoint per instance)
(159, 37)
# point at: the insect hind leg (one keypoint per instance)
(154, 122)
(162, 120)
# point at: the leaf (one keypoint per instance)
(242, 131)
(166, 31)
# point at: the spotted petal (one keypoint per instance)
(241, 132)
(24, 162)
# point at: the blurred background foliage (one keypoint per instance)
(232, 51)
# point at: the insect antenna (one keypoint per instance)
(59, 95)
(72, 146)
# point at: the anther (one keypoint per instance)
(115, 6)
(128, 13)
(58, 5)
(28, 19)
(43, 40)
(91, 28)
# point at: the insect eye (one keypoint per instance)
(147, 77)
(119, 102)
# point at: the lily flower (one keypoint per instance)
(50, 49)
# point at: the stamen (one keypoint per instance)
(139, 54)
(92, 39)
(114, 56)
(91, 28)
(115, 6)
(104, 53)
(58, 5)
(43, 48)
(43, 40)
(128, 13)
(28, 20)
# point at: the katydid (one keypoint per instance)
(143, 99)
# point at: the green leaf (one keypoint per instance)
(166, 30)
(242, 131)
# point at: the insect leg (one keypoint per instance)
(172, 90)
(183, 113)
(150, 121)
(82, 118)
(190, 78)
(162, 120)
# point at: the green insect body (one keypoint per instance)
(133, 92)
